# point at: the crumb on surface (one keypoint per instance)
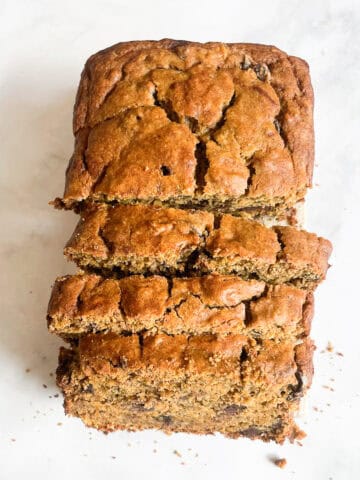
(44, 385)
(178, 454)
(300, 434)
(330, 347)
(27, 370)
(339, 354)
(13, 439)
(280, 462)
(56, 395)
(59, 424)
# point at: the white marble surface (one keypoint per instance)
(43, 47)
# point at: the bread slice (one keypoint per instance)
(223, 127)
(142, 239)
(212, 304)
(199, 384)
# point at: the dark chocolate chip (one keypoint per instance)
(166, 419)
(261, 71)
(140, 407)
(296, 390)
(252, 432)
(246, 63)
(233, 409)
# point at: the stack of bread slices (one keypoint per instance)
(192, 306)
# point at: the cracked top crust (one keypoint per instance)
(221, 126)
(82, 304)
(138, 235)
(145, 239)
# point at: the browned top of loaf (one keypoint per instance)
(249, 240)
(208, 304)
(138, 230)
(143, 238)
(109, 354)
(144, 108)
(145, 297)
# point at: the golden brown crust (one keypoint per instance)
(304, 248)
(276, 255)
(224, 126)
(110, 354)
(143, 239)
(211, 304)
(139, 237)
(237, 237)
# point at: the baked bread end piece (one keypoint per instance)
(223, 127)
(198, 384)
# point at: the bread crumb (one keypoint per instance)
(154, 450)
(44, 385)
(329, 347)
(280, 462)
(113, 457)
(56, 395)
(340, 354)
(27, 370)
(13, 439)
(300, 434)
(178, 454)
(59, 424)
